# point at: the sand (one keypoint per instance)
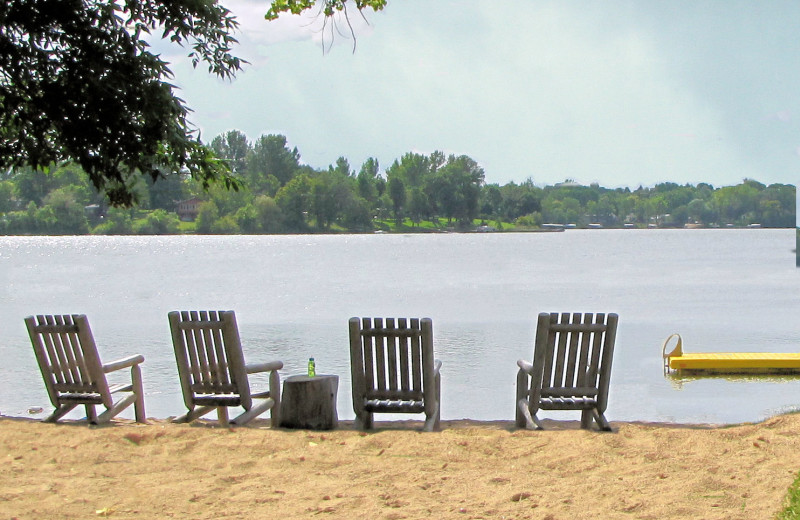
(468, 470)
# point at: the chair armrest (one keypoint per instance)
(436, 366)
(525, 366)
(123, 363)
(263, 367)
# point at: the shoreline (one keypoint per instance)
(471, 469)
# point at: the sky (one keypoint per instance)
(622, 93)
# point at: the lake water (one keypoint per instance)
(722, 290)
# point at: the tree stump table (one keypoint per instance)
(309, 402)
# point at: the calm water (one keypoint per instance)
(720, 289)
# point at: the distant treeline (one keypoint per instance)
(415, 192)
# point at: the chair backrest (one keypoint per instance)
(392, 359)
(208, 352)
(68, 358)
(573, 355)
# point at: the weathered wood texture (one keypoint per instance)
(393, 369)
(310, 402)
(73, 374)
(571, 368)
(212, 370)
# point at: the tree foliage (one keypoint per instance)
(425, 191)
(327, 7)
(79, 83)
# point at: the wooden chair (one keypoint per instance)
(571, 368)
(72, 371)
(212, 370)
(393, 369)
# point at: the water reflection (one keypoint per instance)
(678, 380)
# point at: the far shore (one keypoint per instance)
(469, 470)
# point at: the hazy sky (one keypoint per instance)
(617, 92)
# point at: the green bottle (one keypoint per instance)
(312, 368)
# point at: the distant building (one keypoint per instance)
(187, 209)
(568, 184)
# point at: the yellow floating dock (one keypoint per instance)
(729, 362)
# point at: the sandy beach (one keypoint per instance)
(469, 470)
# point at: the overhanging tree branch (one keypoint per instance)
(78, 83)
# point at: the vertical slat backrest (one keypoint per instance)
(604, 371)
(67, 356)
(360, 361)
(430, 390)
(573, 351)
(209, 354)
(381, 345)
(387, 358)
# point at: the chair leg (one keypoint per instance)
(254, 412)
(601, 421)
(222, 415)
(91, 414)
(193, 414)
(363, 420)
(60, 412)
(530, 421)
(436, 424)
(138, 390)
(275, 394)
(522, 395)
(586, 419)
(432, 421)
(115, 410)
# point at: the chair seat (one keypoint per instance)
(217, 400)
(86, 398)
(383, 405)
(567, 403)
(93, 397)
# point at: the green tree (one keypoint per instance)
(491, 201)
(519, 200)
(163, 194)
(232, 146)
(418, 205)
(270, 217)
(698, 211)
(33, 185)
(294, 200)
(225, 226)
(455, 188)
(8, 201)
(78, 82)
(116, 222)
(734, 202)
(68, 215)
(412, 169)
(271, 160)
(246, 219)
(342, 167)
(397, 193)
(324, 204)
(157, 222)
(207, 216)
(18, 222)
(227, 201)
(776, 206)
(367, 180)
